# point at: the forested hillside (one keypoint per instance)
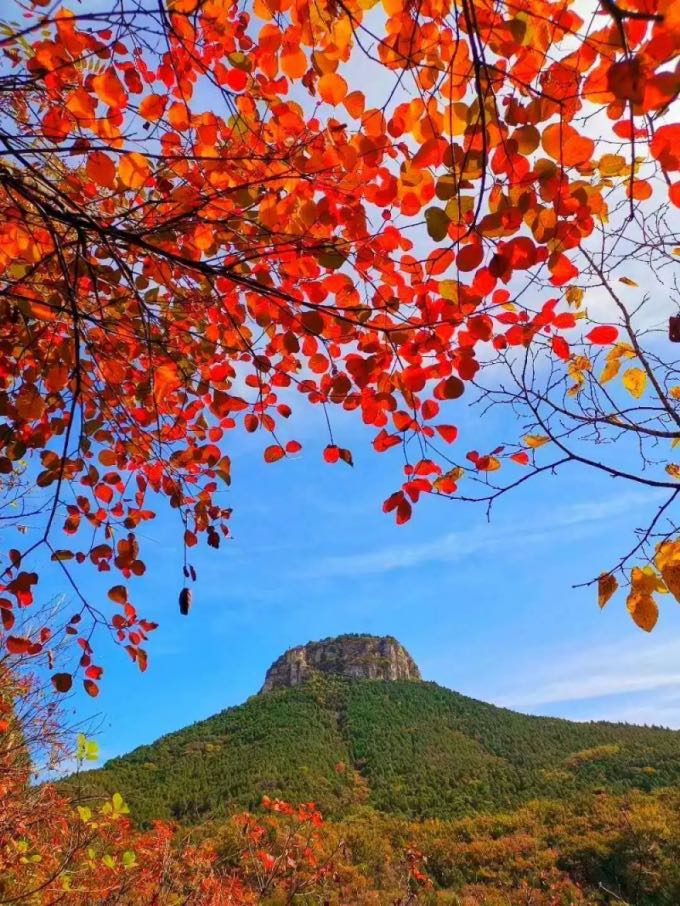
(411, 749)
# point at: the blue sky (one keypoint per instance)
(485, 608)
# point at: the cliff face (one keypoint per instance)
(358, 657)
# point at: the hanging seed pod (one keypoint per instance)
(185, 601)
(674, 328)
(186, 572)
(193, 573)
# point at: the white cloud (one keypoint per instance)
(629, 670)
(455, 546)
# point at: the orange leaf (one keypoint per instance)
(332, 88)
(152, 107)
(293, 62)
(606, 586)
(626, 80)
(563, 143)
(133, 170)
(109, 89)
(355, 104)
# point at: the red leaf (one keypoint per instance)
(448, 432)
(118, 594)
(104, 493)
(674, 194)
(18, 644)
(450, 389)
(62, 682)
(236, 79)
(383, 441)
(331, 453)
(560, 347)
(520, 458)
(346, 456)
(562, 269)
(91, 688)
(404, 511)
(564, 320)
(273, 453)
(603, 335)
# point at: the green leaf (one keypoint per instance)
(446, 187)
(86, 749)
(330, 258)
(119, 806)
(84, 812)
(437, 223)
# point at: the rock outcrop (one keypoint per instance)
(352, 656)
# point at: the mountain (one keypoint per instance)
(348, 722)
(351, 656)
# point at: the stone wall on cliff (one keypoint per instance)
(352, 656)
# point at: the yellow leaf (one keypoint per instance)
(627, 281)
(536, 440)
(575, 295)
(646, 580)
(612, 164)
(488, 463)
(673, 470)
(610, 370)
(643, 609)
(635, 381)
(667, 561)
(606, 586)
(674, 392)
(614, 356)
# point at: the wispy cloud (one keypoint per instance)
(455, 546)
(624, 670)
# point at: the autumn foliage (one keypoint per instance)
(64, 844)
(79, 849)
(207, 222)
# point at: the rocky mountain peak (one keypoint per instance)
(352, 656)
